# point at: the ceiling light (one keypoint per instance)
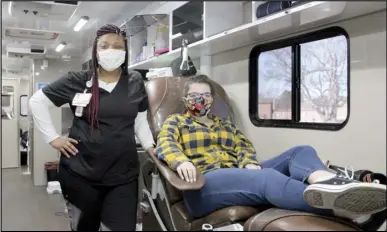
(82, 22)
(60, 47)
(37, 74)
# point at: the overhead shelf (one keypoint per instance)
(294, 19)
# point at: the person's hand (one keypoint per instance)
(187, 171)
(253, 166)
(65, 146)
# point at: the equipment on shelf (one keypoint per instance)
(271, 7)
(187, 23)
(159, 72)
(147, 36)
(183, 65)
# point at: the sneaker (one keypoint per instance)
(347, 197)
(377, 178)
(360, 175)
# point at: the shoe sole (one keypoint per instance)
(356, 198)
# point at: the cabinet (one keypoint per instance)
(215, 27)
(187, 23)
(148, 35)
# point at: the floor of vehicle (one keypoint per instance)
(29, 208)
(25, 207)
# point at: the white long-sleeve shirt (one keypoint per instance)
(40, 106)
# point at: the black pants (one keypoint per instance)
(93, 208)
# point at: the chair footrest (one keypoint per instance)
(275, 219)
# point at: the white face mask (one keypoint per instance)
(111, 59)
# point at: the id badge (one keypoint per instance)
(81, 99)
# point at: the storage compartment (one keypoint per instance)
(51, 171)
(23, 158)
(223, 16)
(266, 8)
(187, 23)
(148, 36)
(302, 15)
(273, 8)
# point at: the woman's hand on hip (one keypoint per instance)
(65, 146)
(187, 171)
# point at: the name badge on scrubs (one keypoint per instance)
(81, 99)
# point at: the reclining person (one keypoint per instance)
(295, 180)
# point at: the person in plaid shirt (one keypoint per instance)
(222, 145)
(295, 180)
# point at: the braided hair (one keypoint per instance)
(94, 102)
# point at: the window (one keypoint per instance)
(302, 82)
(7, 104)
(6, 100)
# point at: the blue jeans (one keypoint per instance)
(280, 183)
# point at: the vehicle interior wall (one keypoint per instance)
(42, 152)
(361, 143)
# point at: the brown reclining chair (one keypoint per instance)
(162, 204)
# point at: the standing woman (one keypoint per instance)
(99, 164)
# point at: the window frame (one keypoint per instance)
(294, 43)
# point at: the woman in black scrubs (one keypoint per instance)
(99, 165)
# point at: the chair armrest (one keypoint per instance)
(173, 178)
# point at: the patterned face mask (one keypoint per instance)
(199, 106)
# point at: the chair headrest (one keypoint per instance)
(165, 98)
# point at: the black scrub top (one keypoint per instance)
(108, 156)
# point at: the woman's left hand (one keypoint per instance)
(253, 166)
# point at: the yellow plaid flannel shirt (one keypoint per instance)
(223, 145)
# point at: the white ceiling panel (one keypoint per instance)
(99, 13)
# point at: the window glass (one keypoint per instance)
(324, 80)
(275, 84)
(7, 102)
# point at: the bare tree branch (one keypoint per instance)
(323, 73)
